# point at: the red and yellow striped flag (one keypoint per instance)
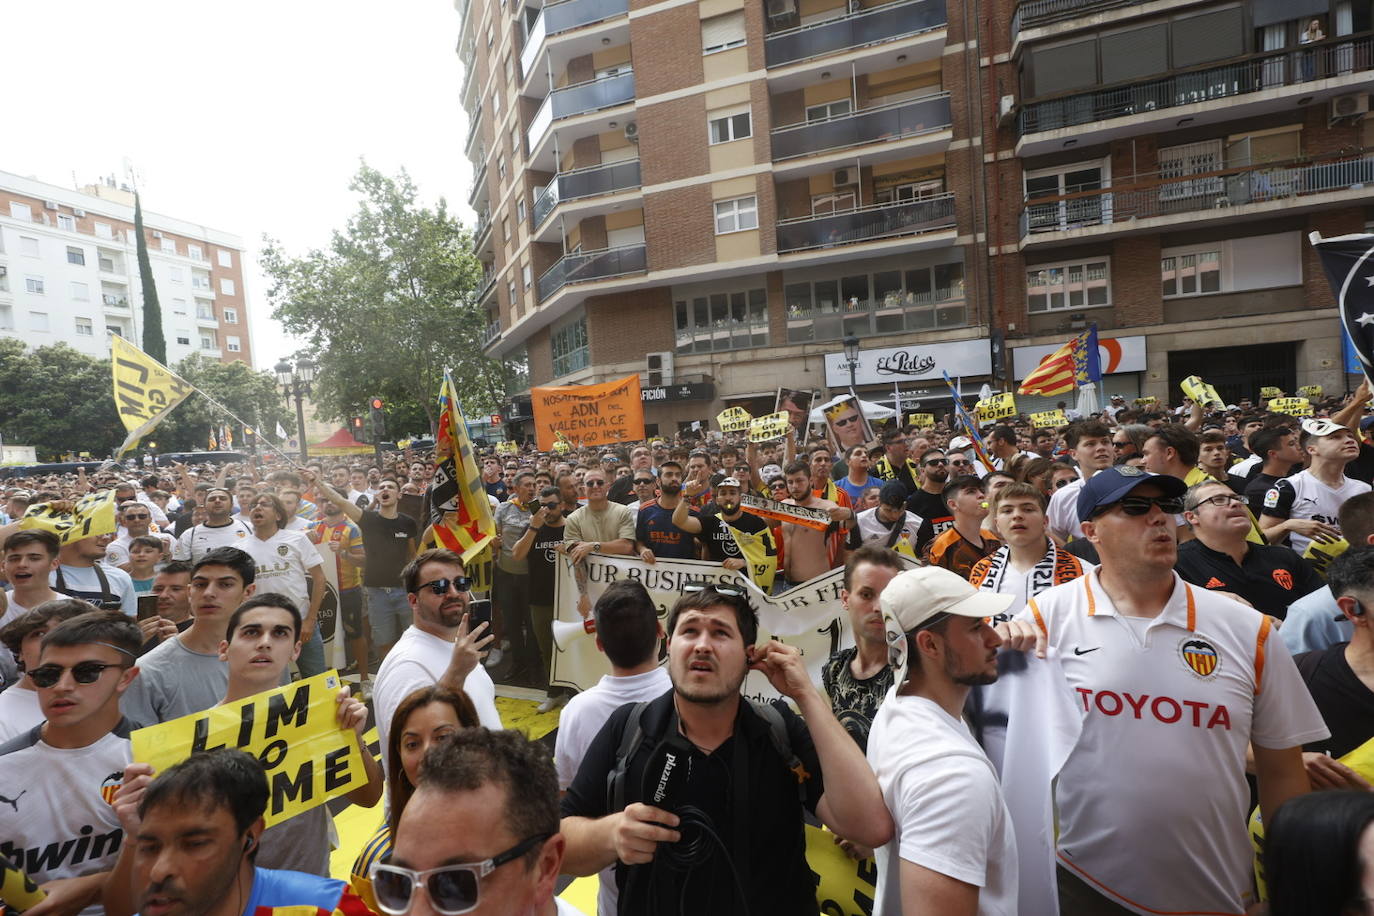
(1054, 375)
(459, 509)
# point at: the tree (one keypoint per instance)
(154, 344)
(252, 396)
(389, 304)
(58, 400)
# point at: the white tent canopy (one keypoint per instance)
(870, 410)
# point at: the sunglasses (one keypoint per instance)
(46, 676)
(137, 518)
(646, 482)
(934, 461)
(594, 483)
(451, 889)
(1141, 505)
(731, 591)
(441, 586)
(1121, 444)
(961, 464)
(846, 421)
(552, 507)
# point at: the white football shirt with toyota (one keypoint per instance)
(1153, 800)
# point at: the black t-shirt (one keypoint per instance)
(543, 563)
(498, 489)
(1362, 468)
(1346, 704)
(386, 547)
(935, 516)
(720, 544)
(769, 848)
(1270, 578)
(1256, 486)
(655, 530)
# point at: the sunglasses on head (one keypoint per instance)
(441, 586)
(1141, 505)
(451, 889)
(46, 676)
(731, 591)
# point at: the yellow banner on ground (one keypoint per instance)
(770, 426)
(293, 730)
(1048, 418)
(1311, 392)
(996, 407)
(92, 516)
(733, 420)
(923, 420)
(1294, 407)
(845, 886)
(1201, 392)
(145, 391)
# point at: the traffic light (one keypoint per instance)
(355, 425)
(375, 408)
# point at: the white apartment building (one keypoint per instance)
(69, 273)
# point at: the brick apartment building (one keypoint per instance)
(716, 194)
(69, 273)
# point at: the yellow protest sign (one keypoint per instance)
(733, 420)
(997, 407)
(562, 446)
(844, 886)
(404, 444)
(769, 426)
(1320, 555)
(1311, 392)
(1201, 392)
(921, 420)
(93, 515)
(601, 414)
(145, 391)
(1269, 391)
(507, 448)
(1294, 407)
(294, 730)
(1049, 418)
(1146, 402)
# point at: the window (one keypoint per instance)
(714, 321)
(38, 321)
(34, 285)
(1232, 265)
(729, 127)
(526, 274)
(501, 167)
(4, 279)
(205, 311)
(28, 246)
(176, 275)
(505, 228)
(169, 245)
(21, 211)
(208, 340)
(194, 253)
(200, 281)
(225, 258)
(496, 105)
(1054, 287)
(66, 222)
(1191, 274)
(1055, 215)
(184, 341)
(226, 286)
(736, 215)
(232, 344)
(104, 231)
(84, 328)
(1178, 162)
(81, 292)
(836, 109)
(892, 297)
(107, 265)
(720, 33)
(510, 293)
(76, 256)
(570, 348)
(520, 210)
(178, 306)
(6, 318)
(113, 329)
(231, 316)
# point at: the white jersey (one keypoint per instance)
(873, 529)
(282, 563)
(1304, 496)
(55, 817)
(198, 540)
(1169, 705)
(117, 554)
(1062, 514)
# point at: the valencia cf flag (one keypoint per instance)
(1349, 264)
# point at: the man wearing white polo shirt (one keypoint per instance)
(1172, 684)
(1091, 445)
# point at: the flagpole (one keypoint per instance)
(276, 445)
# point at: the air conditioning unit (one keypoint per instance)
(77, 211)
(1006, 107)
(157, 234)
(660, 366)
(1354, 106)
(49, 205)
(632, 131)
(843, 178)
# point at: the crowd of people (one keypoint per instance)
(1169, 604)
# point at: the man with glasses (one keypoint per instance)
(23, 636)
(59, 776)
(644, 484)
(600, 526)
(1219, 557)
(438, 647)
(1128, 441)
(135, 521)
(1172, 685)
(480, 834)
(928, 503)
(895, 463)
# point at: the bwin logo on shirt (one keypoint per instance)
(1200, 656)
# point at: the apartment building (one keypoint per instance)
(718, 194)
(69, 273)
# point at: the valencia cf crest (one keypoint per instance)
(110, 786)
(1201, 657)
(1284, 578)
(281, 550)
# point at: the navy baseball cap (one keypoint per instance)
(1109, 485)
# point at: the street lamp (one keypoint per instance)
(851, 358)
(295, 383)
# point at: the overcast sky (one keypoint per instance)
(248, 117)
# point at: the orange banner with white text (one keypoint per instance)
(589, 414)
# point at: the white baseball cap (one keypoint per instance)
(959, 443)
(1320, 427)
(919, 597)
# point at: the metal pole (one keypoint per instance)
(300, 419)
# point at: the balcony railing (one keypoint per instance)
(854, 30)
(114, 302)
(479, 184)
(1215, 191)
(572, 14)
(865, 224)
(529, 54)
(479, 231)
(492, 331)
(474, 128)
(593, 95)
(895, 313)
(1040, 12)
(1238, 76)
(869, 125)
(588, 182)
(592, 265)
(487, 284)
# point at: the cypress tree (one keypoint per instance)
(154, 344)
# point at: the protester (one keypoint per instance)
(895, 464)
(30, 557)
(343, 541)
(1318, 855)
(512, 629)
(656, 532)
(600, 526)
(966, 541)
(888, 525)
(23, 637)
(1277, 453)
(1315, 621)
(720, 525)
(81, 574)
(927, 502)
(1305, 507)
(810, 551)
(288, 564)
(220, 528)
(1090, 444)
(857, 678)
(541, 546)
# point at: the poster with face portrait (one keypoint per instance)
(798, 407)
(847, 425)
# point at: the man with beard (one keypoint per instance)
(723, 741)
(927, 502)
(656, 534)
(220, 528)
(437, 648)
(856, 679)
(713, 525)
(954, 849)
(809, 552)
(895, 464)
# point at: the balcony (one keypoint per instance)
(479, 184)
(474, 128)
(1241, 76)
(870, 125)
(896, 312)
(583, 98)
(487, 284)
(592, 265)
(534, 41)
(481, 230)
(866, 224)
(1224, 195)
(566, 15)
(203, 290)
(854, 30)
(491, 332)
(589, 182)
(1042, 12)
(114, 302)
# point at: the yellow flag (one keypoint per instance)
(93, 515)
(145, 391)
(760, 552)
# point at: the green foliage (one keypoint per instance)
(253, 396)
(389, 305)
(154, 343)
